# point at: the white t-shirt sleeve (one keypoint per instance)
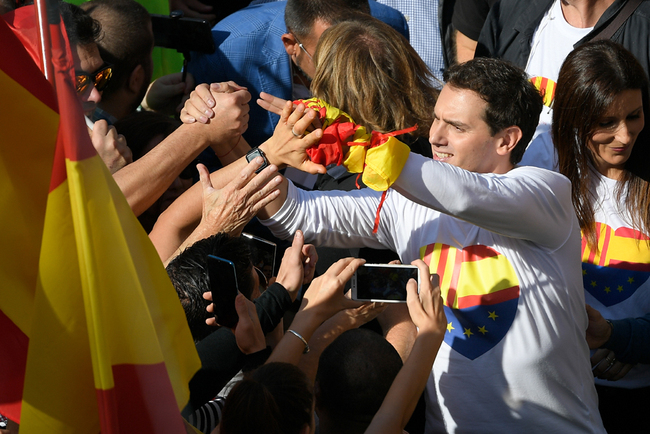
(526, 203)
(330, 218)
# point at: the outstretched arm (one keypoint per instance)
(226, 210)
(427, 313)
(145, 180)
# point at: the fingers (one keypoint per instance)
(271, 103)
(622, 372)
(199, 106)
(344, 268)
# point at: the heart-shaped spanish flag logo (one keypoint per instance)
(619, 267)
(480, 289)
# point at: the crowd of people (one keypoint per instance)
(514, 178)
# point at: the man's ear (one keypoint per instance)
(290, 43)
(136, 79)
(510, 137)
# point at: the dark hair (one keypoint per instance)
(274, 399)
(361, 61)
(300, 15)
(590, 79)
(354, 375)
(81, 28)
(189, 274)
(139, 128)
(512, 100)
(127, 41)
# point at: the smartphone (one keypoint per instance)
(182, 34)
(223, 285)
(383, 282)
(262, 253)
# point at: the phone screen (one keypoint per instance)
(262, 254)
(382, 282)
(224, 288)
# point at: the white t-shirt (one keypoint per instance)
(617, 277)
(552, 42)
(507, 248)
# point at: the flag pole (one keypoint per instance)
(43, 21)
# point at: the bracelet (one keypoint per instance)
(231, 149)
(296, 334)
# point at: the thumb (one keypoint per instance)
(206, 182)
(298, 240)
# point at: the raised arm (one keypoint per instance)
(427, 313)
(144, 180)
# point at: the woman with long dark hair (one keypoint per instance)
(599, 108)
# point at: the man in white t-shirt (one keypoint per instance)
(504, 240)
(538, 35)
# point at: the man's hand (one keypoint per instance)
(298, 265)
(605, 366)
(248, 331)
(193, 9)
(325, 295)
(426, 308)
(231, 208)
(199, 106)
(288, 145)
(223, 107)
(598, 330)
(167, 93)
(110, 146)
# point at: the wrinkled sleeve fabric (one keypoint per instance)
(525, 203)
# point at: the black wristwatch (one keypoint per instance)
(255, 152)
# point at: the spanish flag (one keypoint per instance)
(92, 333)
(480, 289)
(621, 264)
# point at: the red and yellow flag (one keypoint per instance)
(93, 335)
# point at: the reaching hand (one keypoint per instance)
(288, 144)
(223, 107)
(605, 366)
(325, 295)
(298, 264)
(166, 93)
(231, 208)
(598, 330)
(110, 146)
(426, 308)
(248, 331)
(199, 106)
(275, 105)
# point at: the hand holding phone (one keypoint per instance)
(223, 285)
(384, 283)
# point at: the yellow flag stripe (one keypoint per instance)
(27, 142)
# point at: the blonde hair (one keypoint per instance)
(367, 69)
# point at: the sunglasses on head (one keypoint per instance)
(99, 78)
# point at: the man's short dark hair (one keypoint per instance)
(80, 27)
(300, 15)
(126, 40)
(189, 274)
(510, 96)
(354, 375)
